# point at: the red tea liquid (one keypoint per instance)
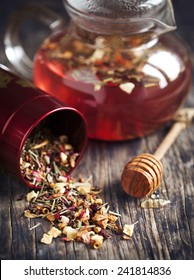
(123, 92)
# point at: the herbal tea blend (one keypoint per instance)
(114, 80)
(73, 207)
(46, 159)
(76, 213)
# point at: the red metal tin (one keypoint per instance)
(22, 108)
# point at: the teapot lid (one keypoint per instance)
(118, 8)
(158, 11)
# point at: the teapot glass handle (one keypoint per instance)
(14, 50)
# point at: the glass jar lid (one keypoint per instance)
(142, 13)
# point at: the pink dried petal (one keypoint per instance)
(37, 175)
(66, 239)
(57, 216)
(104, 233)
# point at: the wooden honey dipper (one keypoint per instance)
(143, 174)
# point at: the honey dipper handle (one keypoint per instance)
(169, 139)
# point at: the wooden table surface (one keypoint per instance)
(165, 233)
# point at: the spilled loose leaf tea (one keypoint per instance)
(73, 207)
(76, 213)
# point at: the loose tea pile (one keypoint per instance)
(76, 212)
(73, 207)
(46, 159)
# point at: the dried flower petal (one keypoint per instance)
(104, 233)
(28, 214)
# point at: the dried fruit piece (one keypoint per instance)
(54, 232)
(127, 87)
(46, 239)
(128, 230)
(97, 241)
(154, 203)
(31, 195)
(70, 232)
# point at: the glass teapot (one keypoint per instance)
(116, 61)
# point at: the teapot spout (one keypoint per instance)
(164, 19)
(158, 18)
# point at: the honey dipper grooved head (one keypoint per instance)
(142, 175)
